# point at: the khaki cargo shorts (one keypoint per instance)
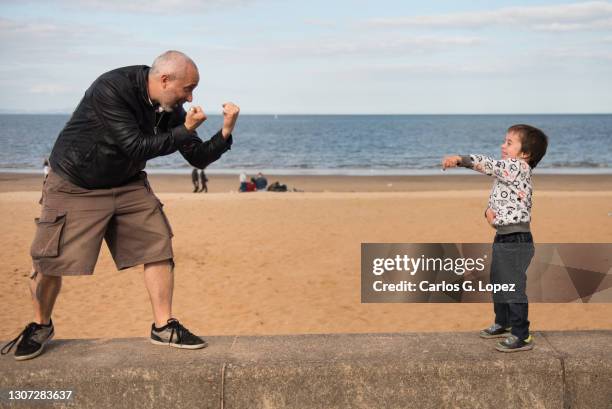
(74, 220)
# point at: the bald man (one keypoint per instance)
(97, 189)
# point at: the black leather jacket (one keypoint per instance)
(115, 130)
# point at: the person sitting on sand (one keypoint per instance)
(261, 182)
(277, 187)
(243, 182)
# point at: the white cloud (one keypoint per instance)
(564, 17)
(37, 33)
(370, 47)
(149, 6)
(604, 24)
(578, 54)
(320, 23)
(51, 89)
(558, 27)
(33, 34)
(35, 43)
(389, 71)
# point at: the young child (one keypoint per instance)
(509, 212)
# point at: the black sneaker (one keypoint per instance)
(513, 344)
(495, 331)
(34, 337)
(176, 335)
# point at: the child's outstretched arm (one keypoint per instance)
(506, 170)
(465, 161)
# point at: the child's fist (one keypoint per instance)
(490, 215)
(451, 161)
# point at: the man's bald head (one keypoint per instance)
(172, 79)
(173, 63)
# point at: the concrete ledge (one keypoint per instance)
(420, 370)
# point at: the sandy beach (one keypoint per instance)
(286, 263)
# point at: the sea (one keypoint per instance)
(346, 144)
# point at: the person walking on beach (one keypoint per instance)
(199, 179)
(203, 182)
(46, 168)
(97, 189)
(195, 179)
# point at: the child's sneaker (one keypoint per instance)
(495, 331)
(513, 344)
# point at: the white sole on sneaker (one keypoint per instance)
(523, 348)
(180, 346)
(35, 354)
(487, 336)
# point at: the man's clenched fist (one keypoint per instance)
(230, 116)
(195, 117)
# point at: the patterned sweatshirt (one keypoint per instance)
(510, 196)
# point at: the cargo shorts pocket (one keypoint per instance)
(49, 228)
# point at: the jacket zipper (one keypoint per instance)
(156, 127)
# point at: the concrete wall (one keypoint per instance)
(415, 370)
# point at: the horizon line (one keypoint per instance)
(346, 114)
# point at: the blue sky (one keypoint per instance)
(272, 56)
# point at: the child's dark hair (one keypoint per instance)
(533, 142)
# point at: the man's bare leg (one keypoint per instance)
(32, 340)
(44, 290)
(159, 280)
